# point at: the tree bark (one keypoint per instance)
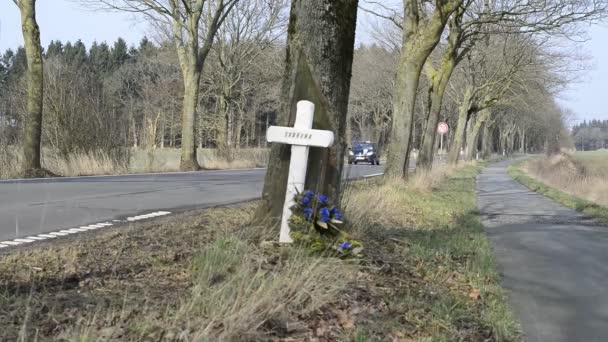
(429, 135)
(32, 132)
(320, 48)
(459, 134)
(487, 141)
(473, 137)
(191, 89)
(438, 80)
(399, 147)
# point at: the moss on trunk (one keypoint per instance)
(32, 132)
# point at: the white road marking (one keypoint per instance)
(373, 175)
(24, 240)
(10, 243)
(64, 232)
(36, 238)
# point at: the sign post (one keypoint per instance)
(442, 129)
(301, 136)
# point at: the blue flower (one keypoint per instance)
(345, 245)
(324, 215)
(309, 193)
(336, 214)
(305, 201)
(308, 213)
(323, 199)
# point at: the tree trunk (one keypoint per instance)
(438, 80)
(473, 136)
(487, 141)
(191, 87)
(459, 134)
(32, 132)
(318, 69)
(399, 146)
(418, 43)
(429, 135)
(473, 139)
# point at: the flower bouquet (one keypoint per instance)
(318, 223)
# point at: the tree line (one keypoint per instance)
(221, 71)
(592, 135)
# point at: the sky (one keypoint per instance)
(67, 20)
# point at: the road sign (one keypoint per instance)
(300, 137)
(442, 128)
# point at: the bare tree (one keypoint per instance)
(469, 22)
(370, 102)
(250, 29)
(422, 24)
(187, 18)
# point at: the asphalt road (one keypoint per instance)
(31, 207)
(554, 260)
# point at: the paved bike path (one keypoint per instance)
(554, 260)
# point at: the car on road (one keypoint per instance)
(364, 152)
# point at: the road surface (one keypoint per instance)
(32, 207)
(554, 260)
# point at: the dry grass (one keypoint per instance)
(595, 162)
(199, 277)
(581, 176)
(209, 276)
(427, 181)
(388, 195)
(130, 161)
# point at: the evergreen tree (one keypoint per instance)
(119, 54)
(55, 49)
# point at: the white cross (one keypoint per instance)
(301, 137)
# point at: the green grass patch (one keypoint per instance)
(448, 288)
(565, 199)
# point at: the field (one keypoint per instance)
(595, 162)
(583, 175)
(427, 274)
(131, 161)
(578, 181)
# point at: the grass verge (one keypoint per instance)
(427, 275)
(564, 198)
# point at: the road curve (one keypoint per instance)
(30, 207)
(554, 260)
